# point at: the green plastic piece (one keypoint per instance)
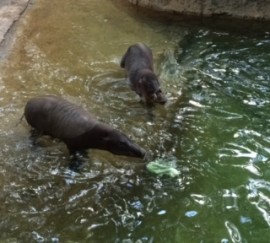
(160, 168)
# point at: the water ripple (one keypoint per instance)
(233, 232)
(214, 127)
(259, 196)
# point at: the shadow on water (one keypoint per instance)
(214, 128)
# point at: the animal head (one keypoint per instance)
(118, 143)
(149, 88)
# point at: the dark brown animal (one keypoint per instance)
(78, 129)
(138, 62)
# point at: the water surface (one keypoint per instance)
(214, 129)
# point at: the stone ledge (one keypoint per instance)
(245, 9)
(10, 13)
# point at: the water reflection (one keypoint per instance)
(215, 126)
(235, 235)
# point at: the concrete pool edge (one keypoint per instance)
(11, 12)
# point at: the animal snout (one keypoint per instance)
(148, 156)
(153, 97)
(160, 97)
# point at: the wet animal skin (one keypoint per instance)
(77, 128)
(138, 63)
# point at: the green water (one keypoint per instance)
(214, 128)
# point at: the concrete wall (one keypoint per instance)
(251, 9)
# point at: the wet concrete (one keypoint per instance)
(10, 13)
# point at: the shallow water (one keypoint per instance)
(214, 128)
